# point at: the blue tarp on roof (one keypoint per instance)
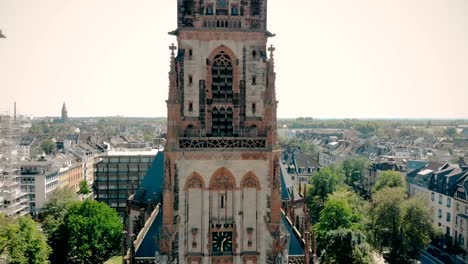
(284, 190)
(148, 246)
(152, 185)
(295, 247)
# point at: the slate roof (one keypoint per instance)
(151, 188)
(445, 181)
(149, 245)
(284, 189)
(295, 246)
(152, 185)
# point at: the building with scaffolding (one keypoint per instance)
(13, 201)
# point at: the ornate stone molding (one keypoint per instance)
(222, 179)
(250, 180)
(194, 181)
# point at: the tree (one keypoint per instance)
(84, 188)
(336, 214)
(390, 179)
(56, 208)
(323, 183)
(345, 246)
(48, 146)
(417, 227)
(354, 169)
(91, 232)
(22, 242)
(400, 228)
(450, 131)
(339, 239)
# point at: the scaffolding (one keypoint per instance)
(13, 202)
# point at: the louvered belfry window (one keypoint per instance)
(221, 71)
(222, 122)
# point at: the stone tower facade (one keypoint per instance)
(221, 197)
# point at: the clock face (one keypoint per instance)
(222, 242)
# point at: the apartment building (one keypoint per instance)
(38, 179)
(119, 173)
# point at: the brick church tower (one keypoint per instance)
(221, 197)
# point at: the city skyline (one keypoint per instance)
(392, 59)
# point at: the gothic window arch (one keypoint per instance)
(194, 181)
(222, 76)
(250, 181)
(222, 179)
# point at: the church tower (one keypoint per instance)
(64, 116)
(221, 197)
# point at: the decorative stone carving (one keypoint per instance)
(194, 181)
(222, 179)
(167, 175)
(250, 181)
(276, 174)
(222, 182)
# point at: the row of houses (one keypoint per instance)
(444, 186)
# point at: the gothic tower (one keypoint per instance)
(64, 117)
(221, 198)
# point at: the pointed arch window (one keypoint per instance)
(221, 72)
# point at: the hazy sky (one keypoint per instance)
(334, 58)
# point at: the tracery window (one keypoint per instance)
(222, 122)
(188, 7)
(222, 8)
(221, 72)
(255, 7)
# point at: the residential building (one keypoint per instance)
(39, 179)
(443, 186)
(460, 210)
(24, 148)
(118, 173)
(70, 171)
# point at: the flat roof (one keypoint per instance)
(130, 152)
(425, 172)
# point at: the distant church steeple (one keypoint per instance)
(64, 113)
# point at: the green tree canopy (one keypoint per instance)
(84, 188)
(450, 131)
(56, 208)
(48, 146)
(339, 238)
(400, 228)
(325, 182)
(336, 214)
(345, 246)
(354, 169)
(22, 242)
(390, 179)
(91, 232)
(322, 183)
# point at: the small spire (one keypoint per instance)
(271, 49)
(172, 47)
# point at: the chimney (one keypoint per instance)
(14, 112)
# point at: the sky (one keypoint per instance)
(333, 58)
